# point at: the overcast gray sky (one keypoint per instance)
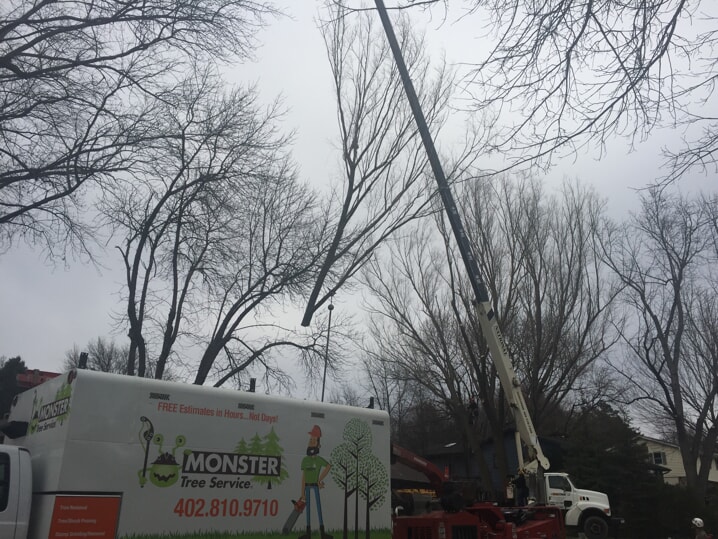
(45, 309)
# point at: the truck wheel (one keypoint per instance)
(595, 527)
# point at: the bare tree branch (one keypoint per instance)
(73, 79)
(664, 257)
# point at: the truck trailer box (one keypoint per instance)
(120, 456)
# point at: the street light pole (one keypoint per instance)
(326, 349)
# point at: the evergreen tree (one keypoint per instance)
(9, 369)
(605, 454)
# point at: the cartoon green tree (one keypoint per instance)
(357, 445)
(342, 471)
(372, 486)
(256, 447)
(272, 448)
(241, 448)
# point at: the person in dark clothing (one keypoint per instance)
(522, 489)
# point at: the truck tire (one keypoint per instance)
(595, 527)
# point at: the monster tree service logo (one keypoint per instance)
(260, 462)
(48, 416)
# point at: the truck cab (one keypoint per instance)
(587, 510)
(15, 492)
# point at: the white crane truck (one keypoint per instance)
(587, 510)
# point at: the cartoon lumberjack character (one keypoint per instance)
(314, 469)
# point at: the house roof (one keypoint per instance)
(664, 443)
(657, 441)
(31, 378)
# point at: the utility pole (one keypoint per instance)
(326, 348)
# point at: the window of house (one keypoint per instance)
(659, 457)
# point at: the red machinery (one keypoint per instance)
(483, 520)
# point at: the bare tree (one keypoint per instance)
(398, 396)
(272, 256)
(414, 331)
(102, 355)
(384, 163)
(553, 295)
(349, 395)
(537, 256)
(105, 355)
(213, 224)
(554, 299)
(569, 74)
(73, 76)
(665, 258)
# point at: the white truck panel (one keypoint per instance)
(117, 454)
(15, 473)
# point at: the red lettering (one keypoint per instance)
(164, 406)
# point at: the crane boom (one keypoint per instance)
(486, 314)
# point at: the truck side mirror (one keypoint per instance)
(13, 429)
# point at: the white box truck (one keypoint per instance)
(101, 456)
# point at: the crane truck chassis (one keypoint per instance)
(584, 511)
(458, 519)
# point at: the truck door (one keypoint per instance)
(8, 511)
(15, 492)
(559, 491)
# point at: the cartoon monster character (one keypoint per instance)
(164, 471)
